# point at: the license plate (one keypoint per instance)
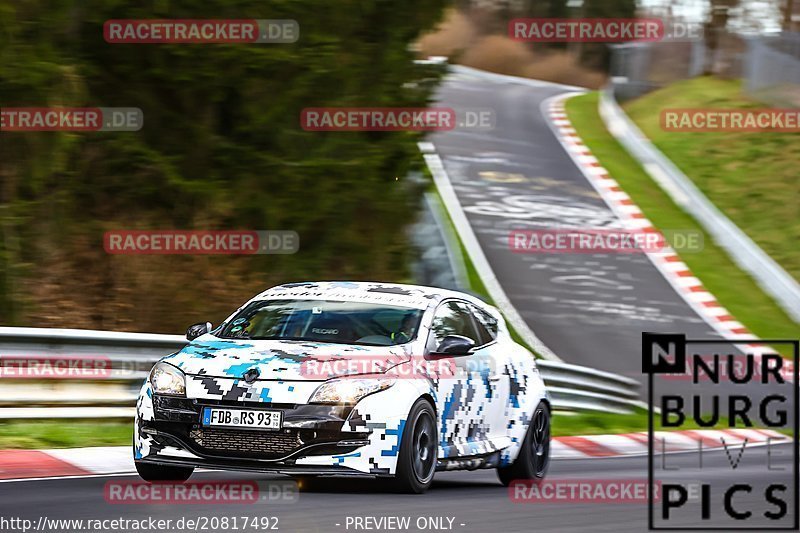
(248, 418)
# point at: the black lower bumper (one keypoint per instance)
(308, 430)
(254, 466)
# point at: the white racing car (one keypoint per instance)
(344, 378)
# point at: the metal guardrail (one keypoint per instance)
(113, 395)
(131, 355)
(580, 388)
(767, 273)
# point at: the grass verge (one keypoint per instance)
(61, 433)
(588, 423)
(750, 176)
(734, 289)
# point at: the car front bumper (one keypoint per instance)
(314, 439)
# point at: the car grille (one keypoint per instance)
(253, 443)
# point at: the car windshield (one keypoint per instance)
(325, 321)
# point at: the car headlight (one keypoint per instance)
(167, 379)
(349, 390)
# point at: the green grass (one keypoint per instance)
(734, 289)
(597, 423)
(33, 434)
(751, 177)
(612, 424)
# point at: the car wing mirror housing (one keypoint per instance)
(196, 330)
(455, 345)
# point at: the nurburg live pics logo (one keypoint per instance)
(763, 493)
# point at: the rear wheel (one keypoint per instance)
(534, 456)
(416, 462)
(153, 472)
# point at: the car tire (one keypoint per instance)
(534, 455)
(153, 472)
(419, 446)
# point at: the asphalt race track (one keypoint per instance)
(474, 499)
(589, 309)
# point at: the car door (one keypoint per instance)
(462, 400)
(491, 370)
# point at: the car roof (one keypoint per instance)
(414, 296)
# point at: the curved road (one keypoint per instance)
(589, 309)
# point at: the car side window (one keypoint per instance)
(451, 318)
(485, 323)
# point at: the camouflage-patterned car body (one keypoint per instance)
(482, 414)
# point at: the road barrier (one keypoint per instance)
(767, 273)
(580, 388)
(131, 355)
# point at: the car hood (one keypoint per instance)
(283, 360)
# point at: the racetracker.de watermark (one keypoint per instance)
(244, 492)
(602, 30)
(396, 119)
(396, 366)
(745, 120)
(602, 241)
(585, 30)
(71, 119)
(201, 31)
(200, 242)
(55, 367)
(579, 491)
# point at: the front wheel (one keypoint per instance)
(534, 455)
(416, 462)
(153, 472)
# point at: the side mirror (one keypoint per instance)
(196, 330)
(455, 345)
